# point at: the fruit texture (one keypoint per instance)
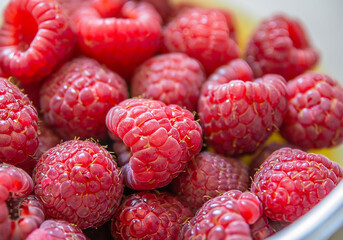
(18, 124)
(20, 212)
(149, 215)
(34, 38)
(78, 181)
(162, 139)
(224, 217)
(76, 98)
(237, 117)
(57, 230)
(280, 45)
(121, 37)
(209, 175)
(315, 115)
(202, 34)
(291, 182)
(172, 78)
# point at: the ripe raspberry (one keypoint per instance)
(280, 45)
(238, 116)
(20, 212)
(78, 181)
(18, 124)
(221, 217)
(76, 98)
(163, 7)
(290, 182)
(208, 176)
(315, 115)
(34, 38)
(172, 78)
(121, 41)
(202, 34)
(162, 140)
(47, 139)
(149, 215)
(57, 229)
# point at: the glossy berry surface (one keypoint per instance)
(34, 38)
(315, 114)
(76, 98)
(209, 175)
(291, 182)
(153, 215)
(162, 139)
(18, 124)
(78, 181)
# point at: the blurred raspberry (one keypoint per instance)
(35, 38)
(261, 229)
(20, 212)
(163, 7)
(77, 97)
(18, 124)
(280, 45)
(315, 111)
(202, 34)
(237, 117)
(162, 139)
(57, 229)
(172, 78)
(120, 39)
(209, 175)
(78, 181)
(291, 182)
(149, 215)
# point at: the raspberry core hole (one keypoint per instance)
(13, 206)
(27, 29)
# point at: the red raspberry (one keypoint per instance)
(20, 212)
(76, 98)
(34, 38)
(202, 34)
(47, 139)
(18, 124)
(162, 140)
(121, 41)
(237, 117)
(78, 181)
(208, 176)
(224, 217)
(57, 229)
(290, 182)
(172, 78)
(315, 115)
(280, 45)
(149, 215)
(163, 7)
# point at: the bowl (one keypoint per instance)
(320, 19)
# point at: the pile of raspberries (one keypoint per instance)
(131, 119)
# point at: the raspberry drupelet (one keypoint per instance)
(35, 38)
(162, 139)
(78, 181)
(291, 182)
(76, 98)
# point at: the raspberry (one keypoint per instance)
(57, 229)
(163, 7)
(34, 38)
(122, 41)
(78, 181)
(290, 182)
(71, 6)
(202, 34)
(315, 115)
(208, 176)
(221, 217)
(18, 124)
(261, 229)
(280, 45)
(20, 212)
(47, 139)
(76, 98)
(149, 215)
(237, 117)
(162, 140)
(172, 78)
